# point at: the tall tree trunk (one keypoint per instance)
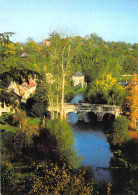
(57, 106)
(62, 97)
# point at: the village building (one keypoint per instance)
(24, 90)
(46, 42)
(24, 55)
(78, 79)
(28, 89)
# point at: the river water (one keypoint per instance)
(92, 144)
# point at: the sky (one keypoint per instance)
(113, 20)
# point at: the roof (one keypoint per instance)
(77, 74)
(30, 84)
(24, 55)
(46, 40)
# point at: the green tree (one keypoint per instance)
(105, 90)
(12, 67)
(39, 107)
(121, 134)
(64, 139)
(8, 178)
(62, 52)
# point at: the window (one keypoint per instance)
(2, 105)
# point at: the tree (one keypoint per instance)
(8, 178)
(23, 138)
(62, 51)
(62, 180)
(132, 102)
(64, 141)
(39, 107)
(120, 134)
(12, 67)
(105, 90)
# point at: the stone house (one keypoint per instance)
(24, 90)
(28, 89)
(78, 79)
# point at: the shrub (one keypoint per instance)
(8, 179)
(55, 180)
(12, 119)
(120, 128)
(4, 118)
(65, 142)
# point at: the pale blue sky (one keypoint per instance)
(113, 20)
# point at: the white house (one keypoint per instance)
(78, 79)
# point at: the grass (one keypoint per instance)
(34, 121)
(123, 78)
(8, 128)
(80, 90)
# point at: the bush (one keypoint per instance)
(12, 119)
(120, 128)
(37, 104)
(8, 179)
(64, 180)
(65, 141)
(105, 90)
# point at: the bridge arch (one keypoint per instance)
(90, 117)
(108, 117)
(72, 117)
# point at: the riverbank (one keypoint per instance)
(72, 92)
(124, 164)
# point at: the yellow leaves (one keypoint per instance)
(105, 83)
(132, 101)
(62, 181)
(9, 49)
(109, 188)
(39, 50)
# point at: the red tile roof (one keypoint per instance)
(30, 84)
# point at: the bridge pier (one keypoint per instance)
(81, 116)
(99, 116)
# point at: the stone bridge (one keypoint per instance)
(100, 110)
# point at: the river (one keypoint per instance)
(92, 144)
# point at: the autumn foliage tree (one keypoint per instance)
(131, 103)
(54, 180)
